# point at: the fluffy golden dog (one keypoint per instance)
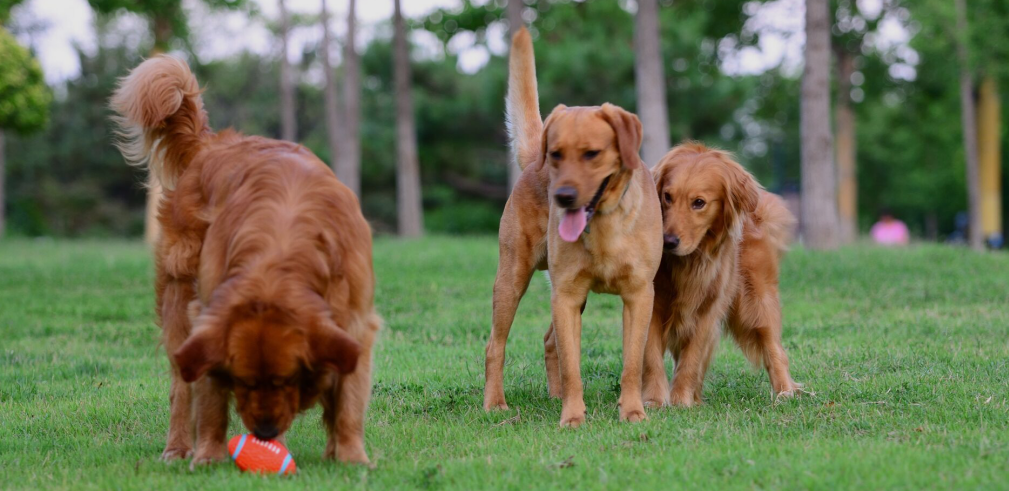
(584, 208)
(723, 238)
(264, 275)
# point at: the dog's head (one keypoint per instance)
(272, 356)
(704, 195)
(583, 146)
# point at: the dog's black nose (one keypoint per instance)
(566, 196)
(265, 432)
(670, 241)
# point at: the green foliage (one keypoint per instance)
(24, 96)
(167, 17)
(68, 179)
(910, 382)
(5, 9)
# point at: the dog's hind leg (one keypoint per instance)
(177, 263)
(515, 268)
(755, 324)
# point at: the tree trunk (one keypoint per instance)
(968, 118)
(989, 133)
(819, 177)
(847, 186)
(349, 160)
(3, 209)
(332, 111)
(288, 119)
(411, 219)
(515, 22)
(651, 82)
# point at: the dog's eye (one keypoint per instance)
(591, 154)
(556, 155)
(697, 204)
(668, 198)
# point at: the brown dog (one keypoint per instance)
(723, 237)
(584, 209)
(264, 276)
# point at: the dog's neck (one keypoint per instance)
(620, 195)
(709, 263)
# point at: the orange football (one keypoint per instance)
(254, 455)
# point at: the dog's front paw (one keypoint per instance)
(683, 399)
(495, 406)
(793, 389)
(573, 415)
(494, 402)
(172, 454)
(633, 416)
(208, 456)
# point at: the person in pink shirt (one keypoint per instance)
(890, 231)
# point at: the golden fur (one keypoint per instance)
(575, 150)
(724, 237)
(264, 279)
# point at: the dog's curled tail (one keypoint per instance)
(159, 112)
(522, 105)
(775, 220)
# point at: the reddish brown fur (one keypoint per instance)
(725, 268)
(619, 255)
(264, 280)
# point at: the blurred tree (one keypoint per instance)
(819, 178)
(845, 151)
(349, 158)
(409, 205)
(333, 132)
(24, 96)
(650, 81)
(289, 121)
(968, 116)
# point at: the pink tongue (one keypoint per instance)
(572, 224)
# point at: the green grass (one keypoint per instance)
(907, 352)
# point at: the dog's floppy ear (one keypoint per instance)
(332, 347)
(546, 126)
(203, 350)
(741, 191)
(627, 126)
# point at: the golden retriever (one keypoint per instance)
(585, 209)
(264, 273)
(723, 237)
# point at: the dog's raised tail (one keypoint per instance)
(522, 104)
(159, 112)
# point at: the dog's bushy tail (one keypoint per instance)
(522, 105)
(159, 112)
(775, 220)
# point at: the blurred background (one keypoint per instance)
(899, 115)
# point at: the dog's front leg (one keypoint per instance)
(655, 383)
(566, 305)
(211, 421)
(346, 429)
(637, 315)
(692, 358)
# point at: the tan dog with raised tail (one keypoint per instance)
(584, 208)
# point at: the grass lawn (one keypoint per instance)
(907, 353)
